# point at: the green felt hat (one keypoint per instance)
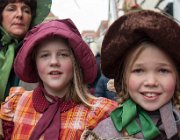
(42, 11)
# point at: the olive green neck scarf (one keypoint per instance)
(124, 117)
(7, 54)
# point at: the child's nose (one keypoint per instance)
(54, 61)
(151, 80)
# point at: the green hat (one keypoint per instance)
(42, 11)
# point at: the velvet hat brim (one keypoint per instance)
(25, 68)
(130, 29)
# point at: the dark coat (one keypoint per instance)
(101, 89)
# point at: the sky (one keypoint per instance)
(86, 14)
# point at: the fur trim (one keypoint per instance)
(90, 135)
(132, 28)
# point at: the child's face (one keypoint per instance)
(55, 67)
(151, 80)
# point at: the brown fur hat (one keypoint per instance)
(130, 29)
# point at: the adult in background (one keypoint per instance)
(16, 18)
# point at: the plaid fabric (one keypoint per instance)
(19, 109)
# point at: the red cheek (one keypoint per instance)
(41, 68)
(132, 84)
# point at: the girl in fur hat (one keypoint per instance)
(55, 55)
(141, 52)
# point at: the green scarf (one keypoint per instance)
(125, 117)
(7, 54)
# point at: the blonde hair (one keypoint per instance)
(79, 91)
(129, 61)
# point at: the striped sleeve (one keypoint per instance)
(101, 110)
(9, 106)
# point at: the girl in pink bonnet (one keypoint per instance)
(61, 106)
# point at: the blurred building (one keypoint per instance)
(89, 36)
(50, 16)
(176, 9)
(116, 9)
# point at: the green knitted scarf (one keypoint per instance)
(7, 54)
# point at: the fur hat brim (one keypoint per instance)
(131, 28)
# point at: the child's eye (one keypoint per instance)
(164, 70)
(64, 54)
(43, 55)
(138, 70)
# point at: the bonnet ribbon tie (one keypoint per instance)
(49, 124)
(6, 60)
(125, 117)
